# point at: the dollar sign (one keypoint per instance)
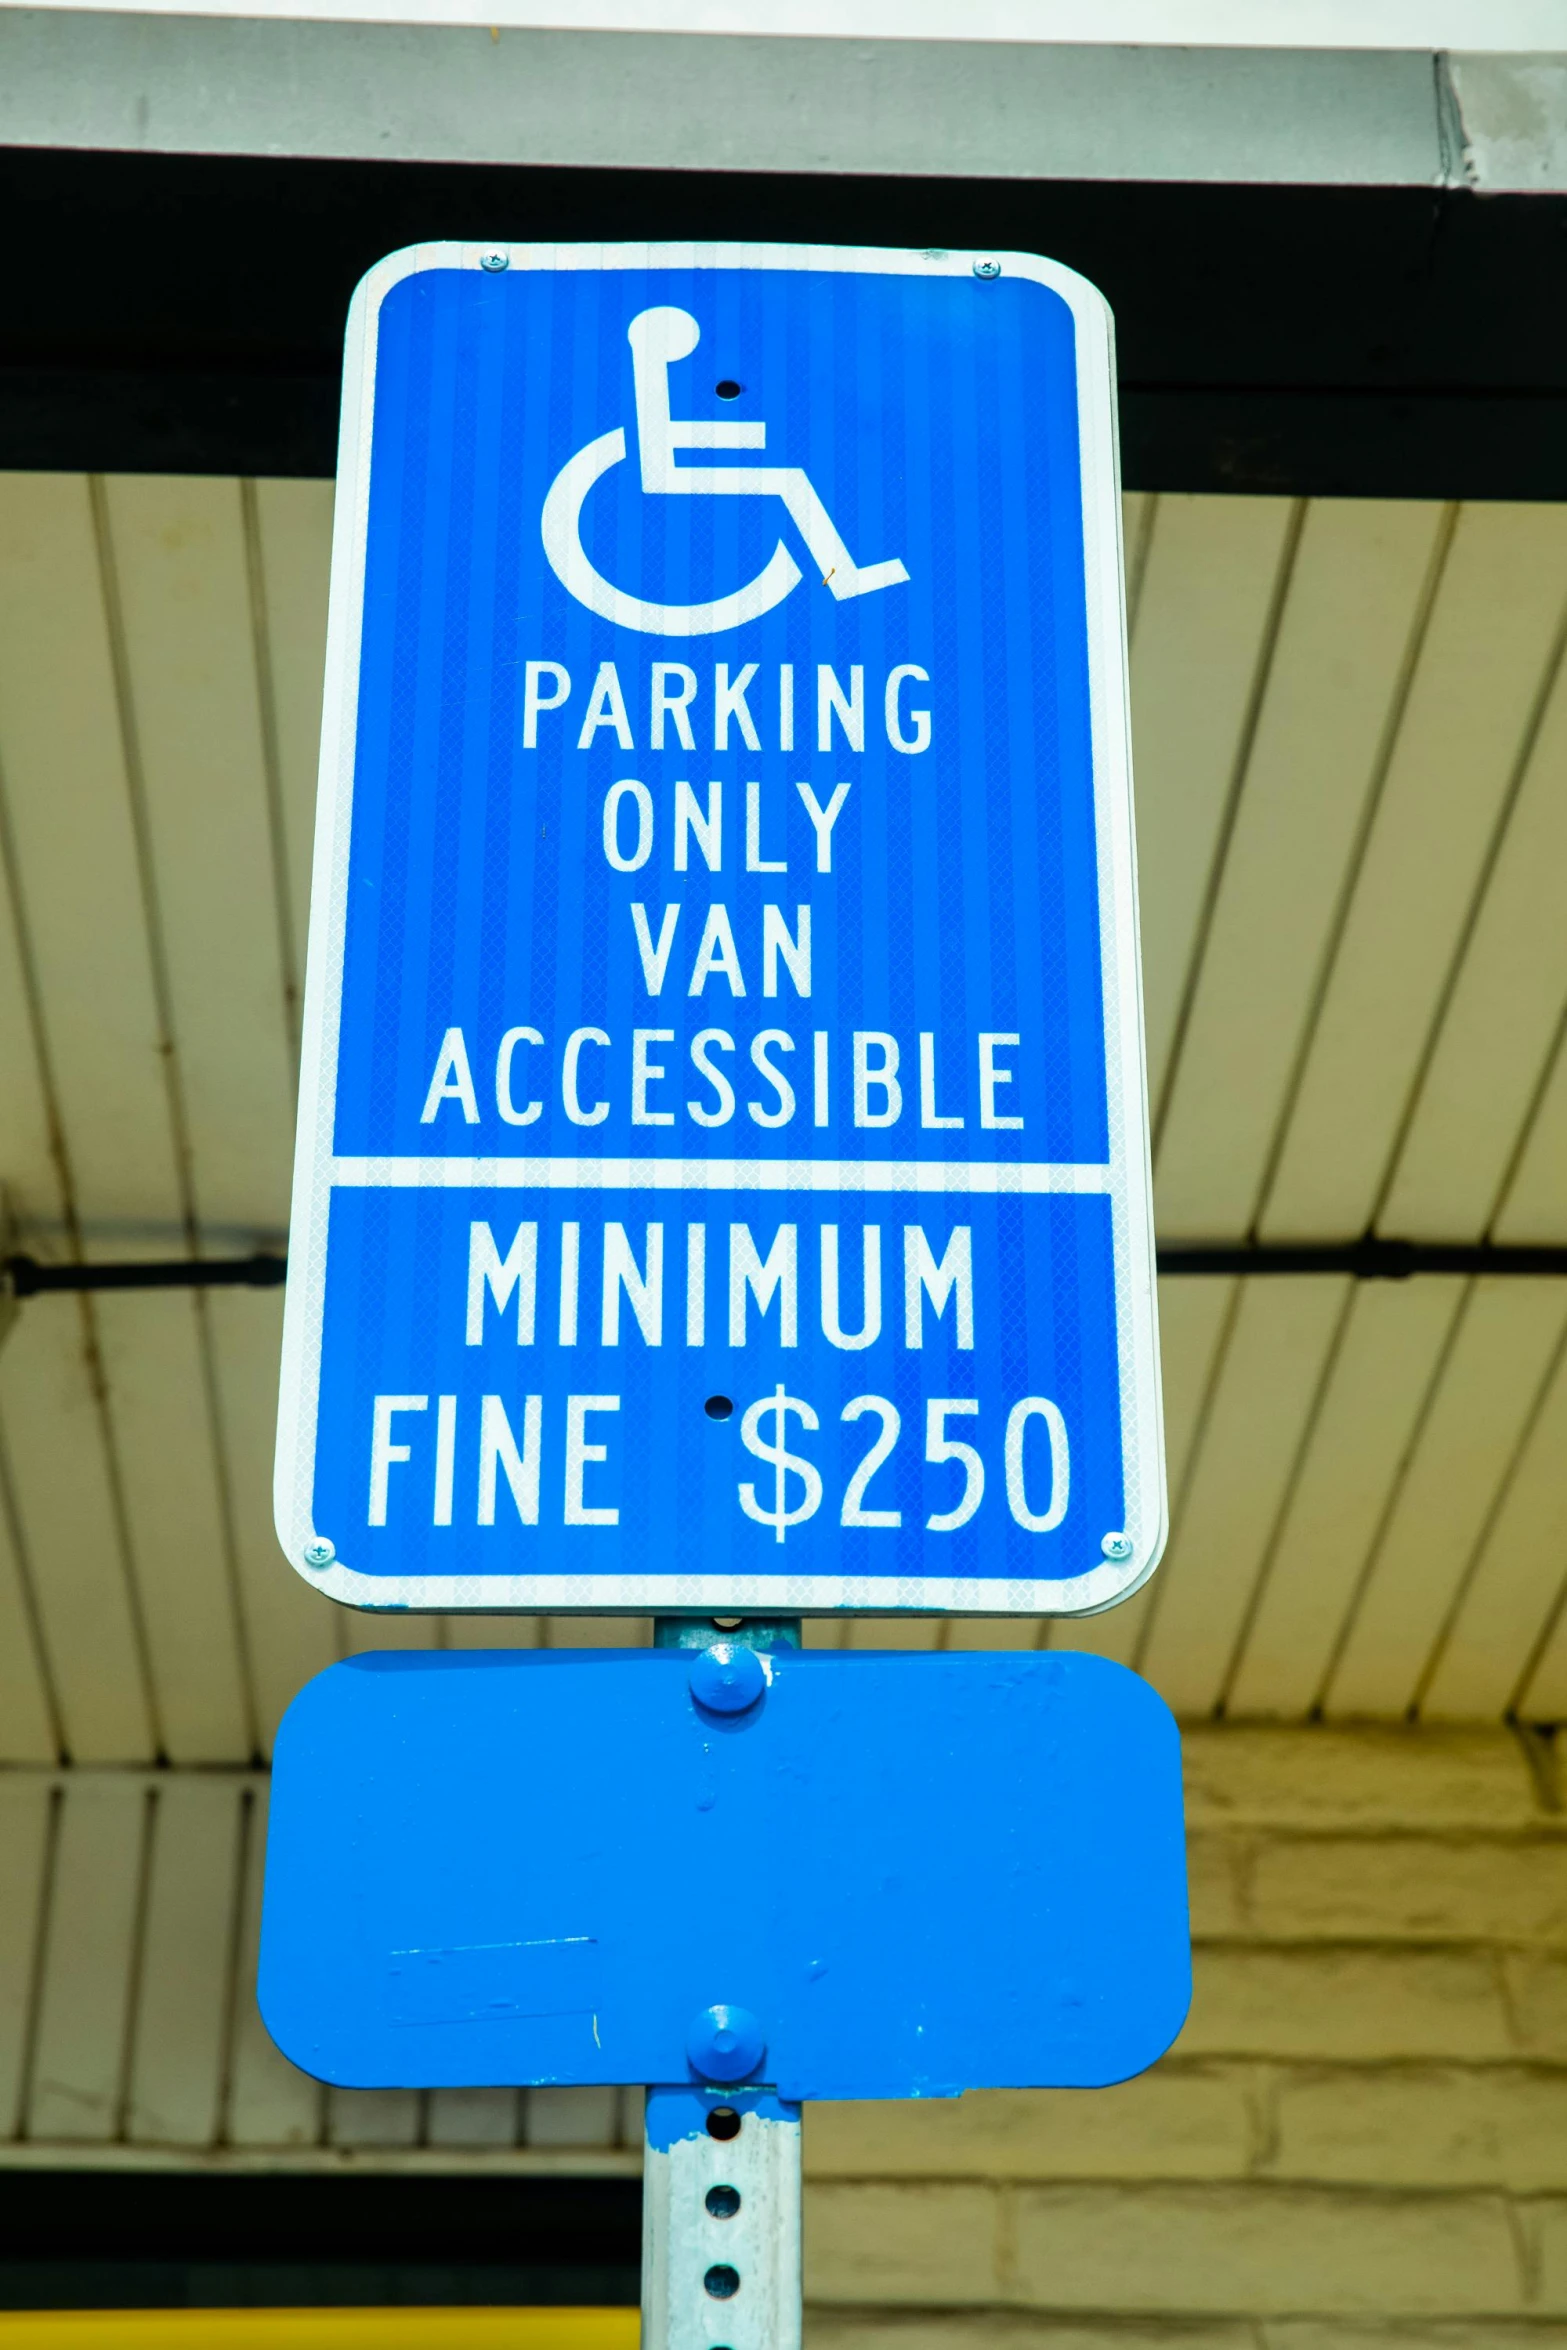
(779, 1518)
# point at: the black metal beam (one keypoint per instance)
(1394, 342)
(26, 1277)
(1367, 1259)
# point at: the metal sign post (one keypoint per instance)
(721, 2167)
(722, 1194)
(720, 2223)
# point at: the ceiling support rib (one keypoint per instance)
(1370, 1258)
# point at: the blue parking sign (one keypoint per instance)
(722, 1177)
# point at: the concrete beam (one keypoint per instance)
(980, 109)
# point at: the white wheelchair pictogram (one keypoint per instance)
(657, 338)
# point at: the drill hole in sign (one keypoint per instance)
(729, 389)
(723, 2202)
(721, 2282)
(723, 2122)
(718, 1407)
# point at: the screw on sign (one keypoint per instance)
(722, 1195)
(727, 1678)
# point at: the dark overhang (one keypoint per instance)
(1333, 273)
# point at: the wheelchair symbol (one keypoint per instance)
(658, 337)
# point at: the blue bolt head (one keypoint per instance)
(727, 1678)
(725, 2043)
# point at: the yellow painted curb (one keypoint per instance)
(319, 2329)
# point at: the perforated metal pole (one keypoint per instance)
(721, 2167)
(720, 2221)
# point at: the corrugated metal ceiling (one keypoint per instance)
(1351, 741)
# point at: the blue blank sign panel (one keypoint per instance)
(722, 1176)
(910, 1874)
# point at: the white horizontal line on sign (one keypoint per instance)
(406, 1174)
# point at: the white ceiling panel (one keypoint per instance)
(76, 2089)
(290, 537)
(1354, 597)
(27, 1807)
(1499, 1030)
(1542, 1687)
(1208, 575)
(1485, 661)
(70, 1521)
(28, 1707)
(31, 1168)
(1534, 1203)
(174, 2082)
(75, 874)
(178, 579)
(1512, 1589)
(1388, 1355)
(1255, 1419)
(176, 1520)
(1502, 1350)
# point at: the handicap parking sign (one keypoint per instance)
(722, 1177)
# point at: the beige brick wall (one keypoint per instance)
(1359, 2141)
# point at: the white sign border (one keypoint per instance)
(1129, 1179)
